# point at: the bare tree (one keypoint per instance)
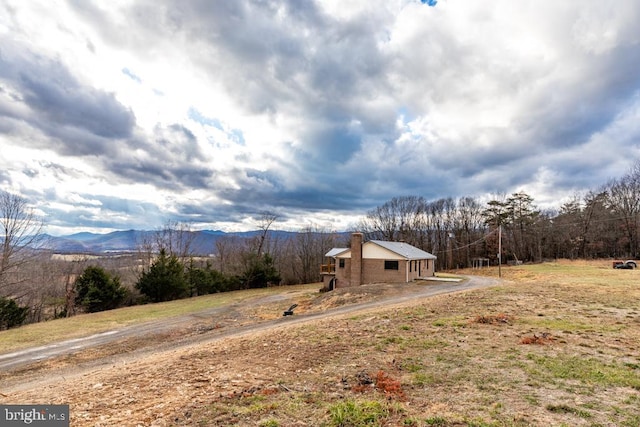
(20, 236)
(229, 251)
(470, 226)
(266, 220)
(401, 218)
(309, 247)
(176, 238)
(624, 199)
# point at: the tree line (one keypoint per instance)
(602, 223)
(36, 285)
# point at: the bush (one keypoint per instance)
(259, 272)
(11, 314)
(202, 281)
(97, 290)
(165, 280)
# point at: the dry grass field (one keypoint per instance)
(558, 344)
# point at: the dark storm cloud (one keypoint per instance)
(64, 101)
(180, 142)
(263, 191)
(169, 159)
(81, 119)
(571, 112)
(167, 175)
(208, 212)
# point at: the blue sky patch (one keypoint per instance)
(127, 72)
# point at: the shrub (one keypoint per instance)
(165, 279)
(11, 314)
(97, 290)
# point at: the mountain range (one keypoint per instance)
(202, 242)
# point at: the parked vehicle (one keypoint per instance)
(625, 265)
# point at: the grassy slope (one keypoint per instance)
(87, 324)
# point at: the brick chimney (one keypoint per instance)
(356, 259)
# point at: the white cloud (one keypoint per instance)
(213, 111)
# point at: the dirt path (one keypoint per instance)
(35, 367)
(145, 330)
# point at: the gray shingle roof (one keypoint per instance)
(404, 249)
(335, 251)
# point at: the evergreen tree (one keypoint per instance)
(165, 280)
(97, 290)
(207, 280)
(197, 280)
(259, 272)
(11, 314)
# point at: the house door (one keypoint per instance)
(419, 268)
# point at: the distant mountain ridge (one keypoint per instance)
(203, 242)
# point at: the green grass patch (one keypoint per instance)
(353, 413)
(436, 422)
(392, 340)
(570, 325)
(631, 421)
(566, 409)
(456, 321)
(411, 365)
(422, 379)
(586, 370)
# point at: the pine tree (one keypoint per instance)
(165, 280)
(97, 290)
(11, 314)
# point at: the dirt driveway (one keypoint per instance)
(32, 367)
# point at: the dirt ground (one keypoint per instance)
(449, 360)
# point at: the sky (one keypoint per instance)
(129, 114)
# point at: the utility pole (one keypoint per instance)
(450, 251)
(500, 250)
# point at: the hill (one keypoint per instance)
(202, 242)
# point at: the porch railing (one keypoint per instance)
(327, 268)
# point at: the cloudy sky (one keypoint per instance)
(127, 114)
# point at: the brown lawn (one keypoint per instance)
(556, 344)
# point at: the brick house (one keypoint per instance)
(375, 261)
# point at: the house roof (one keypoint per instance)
(336, 251)
(404, 249)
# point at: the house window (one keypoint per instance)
(391, 265)
(341, 262)
(410, 266)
